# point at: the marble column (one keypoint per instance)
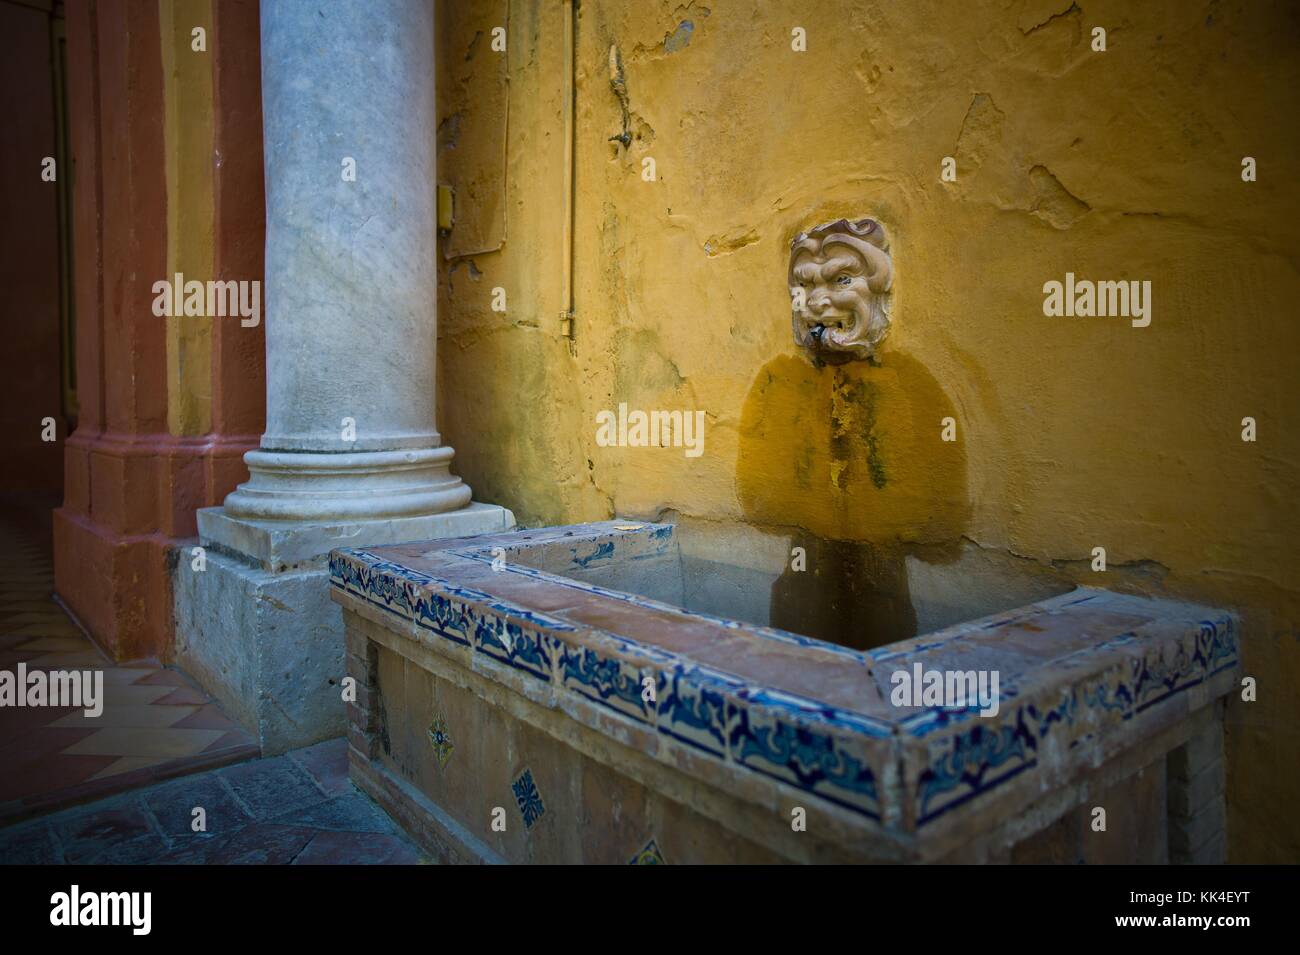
(351, 456)
(351, 282)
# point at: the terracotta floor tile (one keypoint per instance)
(85, 660)
(49, 628)
(9, 659)
(18, 720)
(127, 764)
(51, 775)
(36, 744)
(231, 739)
(208, 717)
(10, 608)
(133, 716)
(78, 644)
(27, 616)
(53, 756)
(180, 696)
(25, 598)
(168, 743)
(164, 677)
(128, 694)
(125, 675)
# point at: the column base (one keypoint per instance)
(350, 485)
(256, 627)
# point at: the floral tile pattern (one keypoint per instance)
(440, 739)
(528, 798)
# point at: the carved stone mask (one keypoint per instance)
(840, 277)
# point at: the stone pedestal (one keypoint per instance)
(351, 456)
(256, 626)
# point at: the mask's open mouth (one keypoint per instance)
(818, 329)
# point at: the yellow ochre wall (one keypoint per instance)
(1074, 433)
(187, 127)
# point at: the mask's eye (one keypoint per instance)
(843, 279)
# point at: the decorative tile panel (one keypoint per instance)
(440, 739)
(527, 798)
(649, 855)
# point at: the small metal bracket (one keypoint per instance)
(446, 209)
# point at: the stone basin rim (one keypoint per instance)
(480, 550)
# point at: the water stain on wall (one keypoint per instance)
(852, 452)
(851, 458)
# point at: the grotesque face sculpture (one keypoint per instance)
(840, 276)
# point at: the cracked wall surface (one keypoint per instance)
(1075, 432)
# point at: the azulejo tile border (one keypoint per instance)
(839, 755)
(557, 579)
(616, 683)
(977, 755)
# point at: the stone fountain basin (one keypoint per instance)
(486, 669)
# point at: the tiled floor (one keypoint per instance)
(295, 809)
(155, 726)
(155, 723)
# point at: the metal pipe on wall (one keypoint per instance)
(566, 279)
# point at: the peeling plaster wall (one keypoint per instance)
(1076, 432)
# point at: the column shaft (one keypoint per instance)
(351, 285)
